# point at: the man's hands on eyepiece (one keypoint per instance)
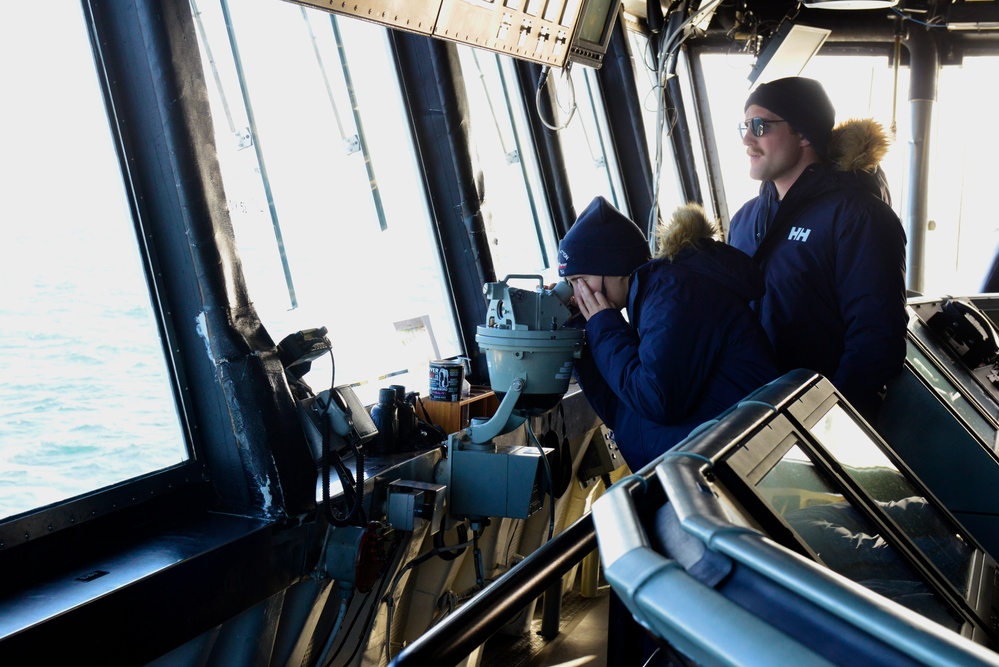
(588, 301)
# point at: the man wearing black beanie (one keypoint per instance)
(690, 347)
(831, 248)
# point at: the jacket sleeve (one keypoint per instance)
(598, 393)
(742, 228)
(660, 370)
(740, 233)
(870, 285)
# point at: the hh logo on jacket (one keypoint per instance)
(799, 234)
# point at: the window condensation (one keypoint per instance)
(87, 397)
(324, 190)
(518, 226)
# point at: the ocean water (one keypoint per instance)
(84, 397)
(85, 400)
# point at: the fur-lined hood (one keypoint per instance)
(687, 226)
(691, 244)
(858, 144)
(856, 149)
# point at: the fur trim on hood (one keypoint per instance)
(687, 226)
(858, 144)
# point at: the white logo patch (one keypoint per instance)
(799, 234)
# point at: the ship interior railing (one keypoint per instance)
(782, 517)
(941, 415)
(452, 640)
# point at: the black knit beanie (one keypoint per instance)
(602, 242)
(803, 103)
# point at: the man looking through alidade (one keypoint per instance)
(690, 347)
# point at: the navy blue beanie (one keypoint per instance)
(602, 242)
(803, 103)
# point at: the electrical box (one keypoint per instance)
(411, 504)
(503, 481)
(601, 456)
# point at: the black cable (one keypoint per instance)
(363, 636)
(423, 408)
(564, 473)
(397, 554)
(353, 486)
(324, 427)
(438, 430)
(548, 473)
(332, 370)
(450, 553)
(349, 629)
(480, 574)
(395, 581)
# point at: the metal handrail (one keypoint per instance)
(480, 618)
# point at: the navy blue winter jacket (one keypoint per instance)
(834, 260)
(690, 349)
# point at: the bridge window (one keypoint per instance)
(964, 237)
(325, 196)
(589, 154)
(87, 400)
(649, 93)
(521, 238)
(961, 236)
(859, 87)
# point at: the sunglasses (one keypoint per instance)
(758, 125)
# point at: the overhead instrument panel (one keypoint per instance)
(550, 32)
(411, 15)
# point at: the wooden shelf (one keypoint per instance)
(453, 416)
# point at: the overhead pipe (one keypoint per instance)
(924, 69)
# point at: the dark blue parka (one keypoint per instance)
(834, 260)
(690, 348)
